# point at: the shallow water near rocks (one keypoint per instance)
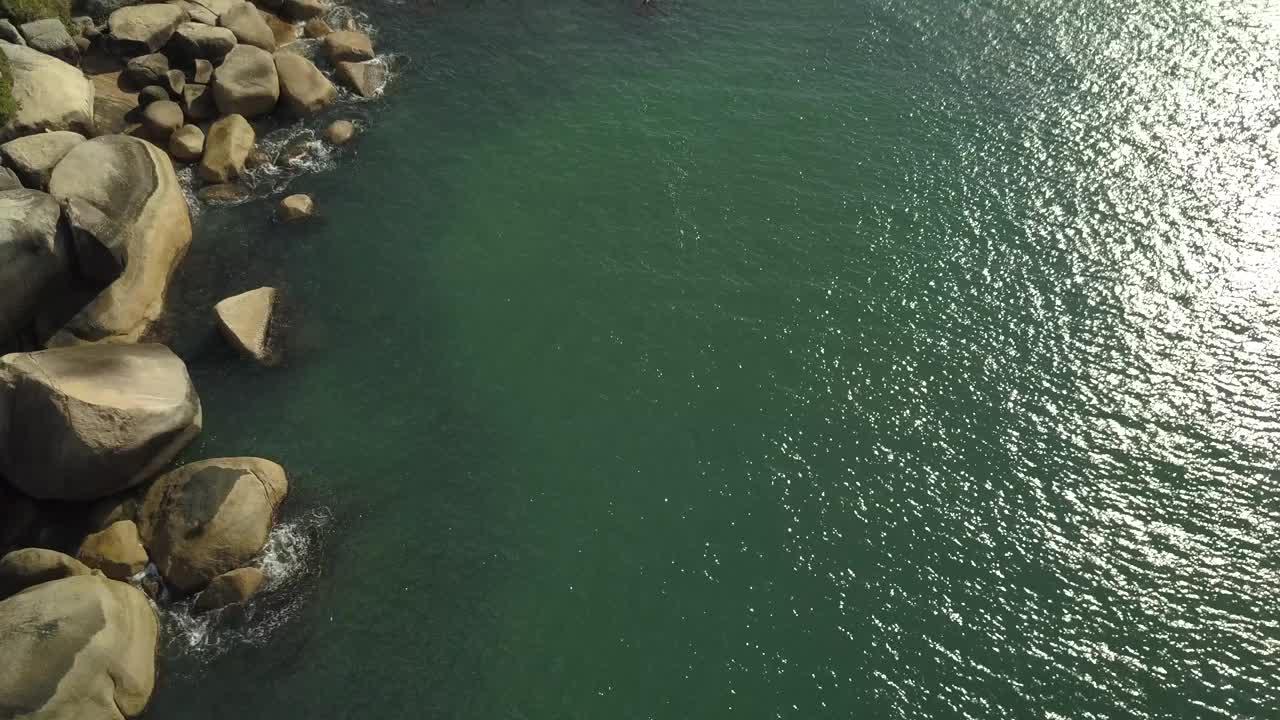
(769, 360)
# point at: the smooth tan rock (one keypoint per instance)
(146, 70)
(249, 26)
(51, 95)
(226, 149)
(193, 40)
(365, 79)
(85, 422)
(128, 212)
(230, 588)
(29, 567)
(117, 551)
(79, 648)
(33, 157)
(245, 321)
(296, 207)
(161, 119)
(340, 132)
(348, 45)
(210, 517)
(303, 88)
(139, 29)
(229, 193)
(202, 71)
(187, 144)
(246, 83)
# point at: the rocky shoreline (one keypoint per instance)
(100, 110)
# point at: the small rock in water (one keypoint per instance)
(245, 320)
(296, 207)
(340, 132)
(116, 551)
(230, 588)
(363, 78)
(223, 193)
(316, 28)
(187, 144)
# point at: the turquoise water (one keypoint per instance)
(819, 359)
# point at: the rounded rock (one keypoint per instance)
(160, 119)
(187, 144)
(296, 207)
(117, 551)
(340, 132)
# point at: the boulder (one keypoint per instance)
(51, 94)
(126, 207)
(29, 567)
(160, 119)
(202, 71)
(245, 321)
(146, 70)
(210, 517)
(296, 207)
(348, 46)
(249, 27)
(230, 588)
(193, 40)
(9, 180)
(303, 88)
(196, 12)
(197, 103)
(363, 78)
(10, 34)
(187, 144)
(151, 94)
(340, 132)
(174, 83)
(246, 83)
(82, 647)
(117, 551)
(33, 157)
(50, 37)
(85, 422)
(316, 28)
(224, 193)
(226, 149)
(37, 262)
(219, 7)
(303, 9)
(140, 29)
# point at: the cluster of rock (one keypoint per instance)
(93, 225)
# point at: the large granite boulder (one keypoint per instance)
(348, 45)
(128, 216)
(51, 94)
(37, 262)
(140, 29)
(29, 567)
(81, 648)
(365, 79)
(33, 157)
(245, 321)
(50, 37)
(85, 422)
(210, 517)
(230, 588)
(226, 149)
(303, 88)
(116, 550)
(340, 132)
(246, 83)
(194, 41)
(249, 27)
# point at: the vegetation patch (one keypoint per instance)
(24, 11)
(8, 105)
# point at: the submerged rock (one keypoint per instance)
(210, 517)
(246, 83)
(82, 647)
(340, 132)
(29, 567)
(33, 157)
(85, 422)
(226, 148)
(303, 88)
(117, 551)
(127, 211)
(51, 95)
(245, 321)
(223, 193)
(316, 28)
(140, 29)
(230, 588)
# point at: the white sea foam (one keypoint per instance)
(291, 561)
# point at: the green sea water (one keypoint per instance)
(820, 359)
